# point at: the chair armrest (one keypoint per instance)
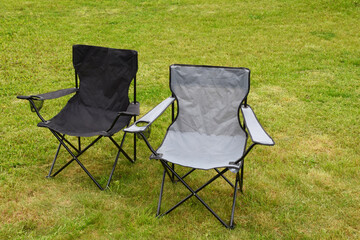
(132, 110)
(256, 131)
(150, 117)
(50, 95)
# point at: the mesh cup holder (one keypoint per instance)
(38, 104)
(147, 132)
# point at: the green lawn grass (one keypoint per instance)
(305, 88)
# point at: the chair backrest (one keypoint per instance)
(105, 75)
(209, 98)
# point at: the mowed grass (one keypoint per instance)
(305, 89)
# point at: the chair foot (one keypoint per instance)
(194, 192)
(79, 152)
(232, 227)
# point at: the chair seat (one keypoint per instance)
(76, 119)
(201, 151)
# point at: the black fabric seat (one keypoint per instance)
(83, 121)
(100, 106)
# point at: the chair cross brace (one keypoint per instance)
(63, 142)
(194, 193)
(227, 180)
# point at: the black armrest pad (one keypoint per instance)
(50, 95)
(56, 94)
(23, 97)
(134, 108)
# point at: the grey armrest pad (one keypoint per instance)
(151, 116)
(256, 131)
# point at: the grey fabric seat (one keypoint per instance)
(207, 132)
(213, 152)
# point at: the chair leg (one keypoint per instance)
(161, 193)
(134, 147)
(135, 139)
(53, 163)
(172, 175)
(117, 158)
(242, 177)
(227, 180)
(79, 151)
(234, 201)
(194, 193)
(56, 155)
(113, 169)
(75, 157)
(89, 174)
(120, 148)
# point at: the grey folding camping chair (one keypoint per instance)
(100, 106)
(207, 132)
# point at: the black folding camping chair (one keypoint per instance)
(207, 132)
(100, 106)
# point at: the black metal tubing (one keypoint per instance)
(171, 176)
(188, 173)
(194, 193)
(227, 180)
(246, 153)
(76, 159)
(245, 99)
(78, 154)
(208, 66)
(79, 144)
(117, 118)
(56, 155)
(69, 143)
(234, 202)
(113, 124)
(242, 177)
(120, 148)
(135, 88)
(62, 141)
(116, 160)
(36, 110)
(126, 114)
(172, 112)
(76, 80)
(161, 193)
(30, 99)
(134, 142)
(172, 120)
(135, 118)
(148, 144)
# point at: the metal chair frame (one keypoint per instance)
(170, 171)
(78, 151)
